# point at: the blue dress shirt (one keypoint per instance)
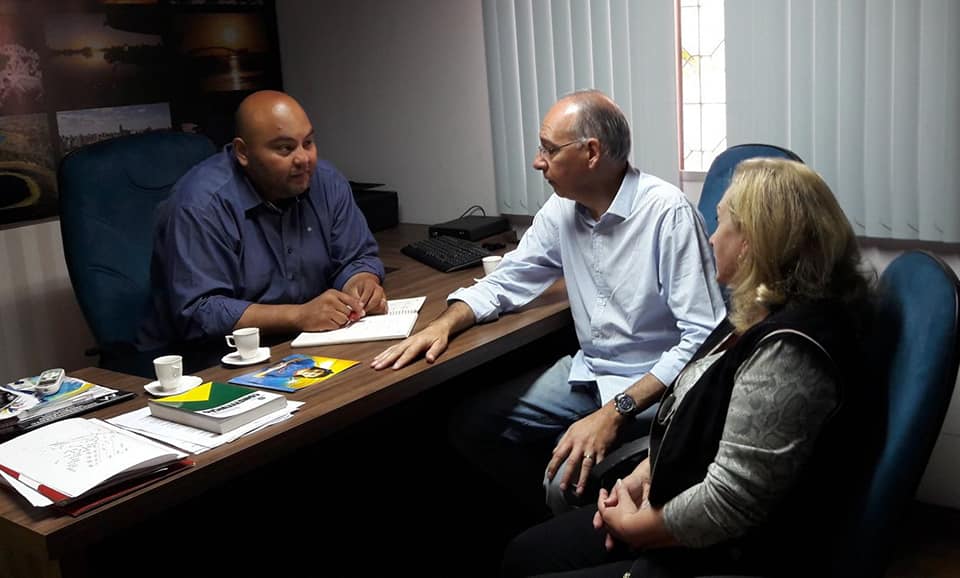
(640, 280)
(219, 248)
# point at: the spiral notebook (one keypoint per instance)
(397, 323)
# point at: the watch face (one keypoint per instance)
(625, 404)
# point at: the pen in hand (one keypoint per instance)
(351, 317)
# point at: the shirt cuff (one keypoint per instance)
(483, 303)
(667, 368)
(357, 267)
(610, 385)
(217, 316)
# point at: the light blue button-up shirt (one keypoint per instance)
(641, 281)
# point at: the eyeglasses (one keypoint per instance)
(548, 153)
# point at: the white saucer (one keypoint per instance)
(187, 382)
(233, 358)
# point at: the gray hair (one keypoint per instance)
(599, 117)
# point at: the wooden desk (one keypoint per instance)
(38, 542)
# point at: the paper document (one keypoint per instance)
(34, 497)
(397, 323)
(192, 439)
(68, 458)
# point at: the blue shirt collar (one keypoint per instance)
(249, 197)
(246, 193)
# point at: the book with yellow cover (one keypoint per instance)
(295, 372)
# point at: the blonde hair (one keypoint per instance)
(801, 246)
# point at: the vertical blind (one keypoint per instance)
(539, 50)
(867, 92)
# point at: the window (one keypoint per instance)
(703, 116)
(867, 93)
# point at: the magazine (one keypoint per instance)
(295, 372)
(21, 408)
(22, 400)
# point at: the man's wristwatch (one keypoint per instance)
(625, 405)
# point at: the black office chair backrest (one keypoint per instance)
(108, 192)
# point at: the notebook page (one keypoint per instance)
(396, 324)
(75, 455)
(400, 306)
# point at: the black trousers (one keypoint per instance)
(568, 546)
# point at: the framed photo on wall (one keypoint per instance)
(75, 72)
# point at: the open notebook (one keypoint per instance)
(396, 324)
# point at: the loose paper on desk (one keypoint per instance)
(397, 323)
(192, 439)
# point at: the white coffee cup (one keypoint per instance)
(169, 370)
(246, 341)
(491, 263)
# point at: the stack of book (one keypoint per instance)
(217, 407)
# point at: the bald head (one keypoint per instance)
(595, 115)
(274, 144)
(258, 111)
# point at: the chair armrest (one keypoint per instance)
(619, 463)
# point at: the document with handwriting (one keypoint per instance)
(397, 323)
(68, 458)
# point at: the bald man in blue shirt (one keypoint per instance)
(261, 235)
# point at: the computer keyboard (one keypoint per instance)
(446, 253)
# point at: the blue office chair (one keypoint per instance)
(108, 192)
(916, 331)
(721, 170)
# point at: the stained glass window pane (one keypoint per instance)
(703, 77)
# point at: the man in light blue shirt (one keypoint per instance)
(641, 283)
